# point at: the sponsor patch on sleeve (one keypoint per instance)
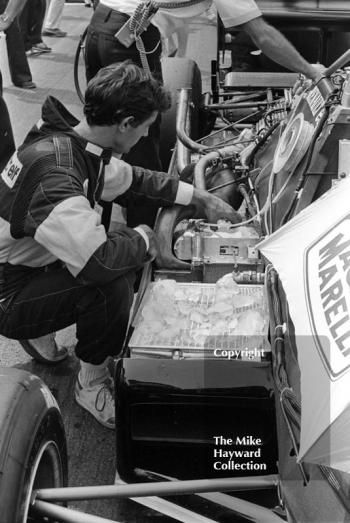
(12, 171)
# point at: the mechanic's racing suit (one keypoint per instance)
(58, 266)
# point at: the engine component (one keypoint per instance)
(220, 248)
(344, 159)
(214, 243)
(293, 144)
(238, 80)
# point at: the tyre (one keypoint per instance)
(179, 73)
(33, 451)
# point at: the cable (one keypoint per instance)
(228, 126)
(269, 201)
(262, 210)
(80, 47)
(262, 141)
(310, 152)
(140, 20)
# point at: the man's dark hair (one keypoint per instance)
(121, 90)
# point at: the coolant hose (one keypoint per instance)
(206, 160)
(166, 222)
(181, 119)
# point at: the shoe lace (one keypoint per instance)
(105, 396)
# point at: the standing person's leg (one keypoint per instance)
(146, 152)
(23, 22)
(102, 49)
(7, 143)
(35, 26)
(53, 19)
(18, 62)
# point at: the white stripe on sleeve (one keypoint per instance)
(72, 232)
(143, 234)
(117, 179)
(184, 193)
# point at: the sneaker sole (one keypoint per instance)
(55, 35)
(34, 53)
(61, 354)
(85, 407)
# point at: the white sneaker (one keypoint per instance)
(98, 399)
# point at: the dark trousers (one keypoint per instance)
(54, 299)
(18, 63)
(31, 21)
(7, 144)
(102, 49)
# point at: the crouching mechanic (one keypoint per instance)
(58, 264)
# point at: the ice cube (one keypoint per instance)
(250, 323)
(227, 282)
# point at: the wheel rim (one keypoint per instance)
(46, 472)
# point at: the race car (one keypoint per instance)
(228, 380)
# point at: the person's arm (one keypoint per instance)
(13, 8)
(159, 189)
(274, 45)
(213, 207)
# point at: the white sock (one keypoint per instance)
(90, 373)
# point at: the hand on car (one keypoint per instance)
(215, 208)
(303, 83)
(318, 72)
(153, 242)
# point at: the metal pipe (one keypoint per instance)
(238, 105)
(67, 515)
(202, 164)
(242, 97)
(183, 154)
(220, 126)
(340, 62)
(255, 513)
(163, 488)
(311, 16)
(182, 111)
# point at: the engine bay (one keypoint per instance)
(272, 151)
